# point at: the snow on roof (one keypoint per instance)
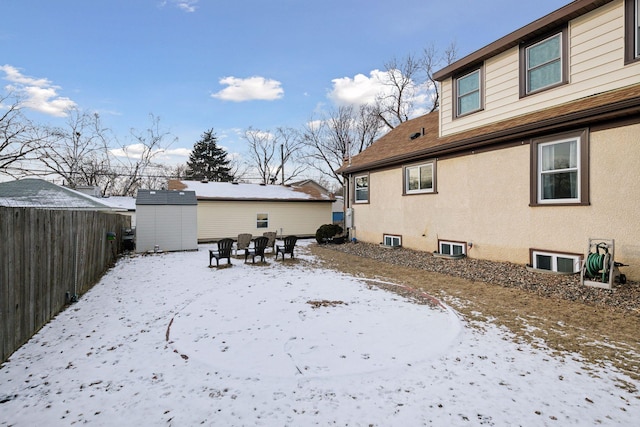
(123, 202)
(244, 191)
(38, 193)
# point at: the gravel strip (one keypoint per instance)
(625, 297)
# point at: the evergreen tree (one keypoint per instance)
(207, 161)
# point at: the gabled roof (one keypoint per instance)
(166, 197)
(253, 192)
(530, 31)
(397, 147)
(38, 193)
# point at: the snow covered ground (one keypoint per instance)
(164, 340)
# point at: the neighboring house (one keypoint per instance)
(535, 149)
(166, 221)
(126, 205)
(227, 209)
(38, 193)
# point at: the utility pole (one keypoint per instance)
(282, 161)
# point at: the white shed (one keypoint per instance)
(166, 220)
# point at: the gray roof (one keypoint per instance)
(38, 193)
(166, 197)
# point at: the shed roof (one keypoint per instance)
(252, 192)
(166, 197)
(38, 193)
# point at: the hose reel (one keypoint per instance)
(599, 268)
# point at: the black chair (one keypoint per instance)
(259, 245)
(225, 246)
(289, 244)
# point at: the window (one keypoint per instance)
(553, 261)
(468, 95)
(561, 169)
(391, 240)
(361, 189)
(419, 178)
(543, 64)
(262, 220)
(451, 248)
(632, 30)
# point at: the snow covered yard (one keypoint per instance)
(163, 339)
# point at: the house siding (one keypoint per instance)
(219, 219)
(596, 64)
(484, 198)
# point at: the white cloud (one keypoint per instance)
(134, 152)
(249, 89)
(38, 94)
(185, 5)
(358, 90)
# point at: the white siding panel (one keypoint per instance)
(218, 219)
(596, 65)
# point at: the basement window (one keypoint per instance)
(392, 240)
(555, 261)
(451, 248)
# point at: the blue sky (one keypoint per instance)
(226, 64)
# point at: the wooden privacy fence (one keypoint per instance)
(47, 259)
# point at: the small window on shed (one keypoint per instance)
(262, 220)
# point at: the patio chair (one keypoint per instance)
(224, 251)
(244, 240)
(271, 235)
(289, 244)
(259, 245)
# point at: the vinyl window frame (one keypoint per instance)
(554, 255)
(631, 31)
(262, 220)
(356, 195)
(536, 144)
(388, 240)
(457, 96)
(452, 244)
(562, 33)
(405, 178)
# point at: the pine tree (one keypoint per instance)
(207, 161)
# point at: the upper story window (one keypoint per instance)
(632, 30)
(419, 178)
(468, 93)
(561, 169)
(361, 189)
(543, 64)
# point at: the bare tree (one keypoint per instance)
(270, 152)
(136, 165)
(410, 83)
(20, 140)
(78, 153)
(333, 139)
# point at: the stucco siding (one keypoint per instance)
(484, 199)
(595, 61)
(218, 219)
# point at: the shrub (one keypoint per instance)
(327, 231)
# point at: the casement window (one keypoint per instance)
(419, 178)
(361, 189)
(632, 30)
(262, 220)
(543, 64)
(554, 261)
(468, 93)
(392, 240)
(451, 248)
(561, 169)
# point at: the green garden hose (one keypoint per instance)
(598, 261)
